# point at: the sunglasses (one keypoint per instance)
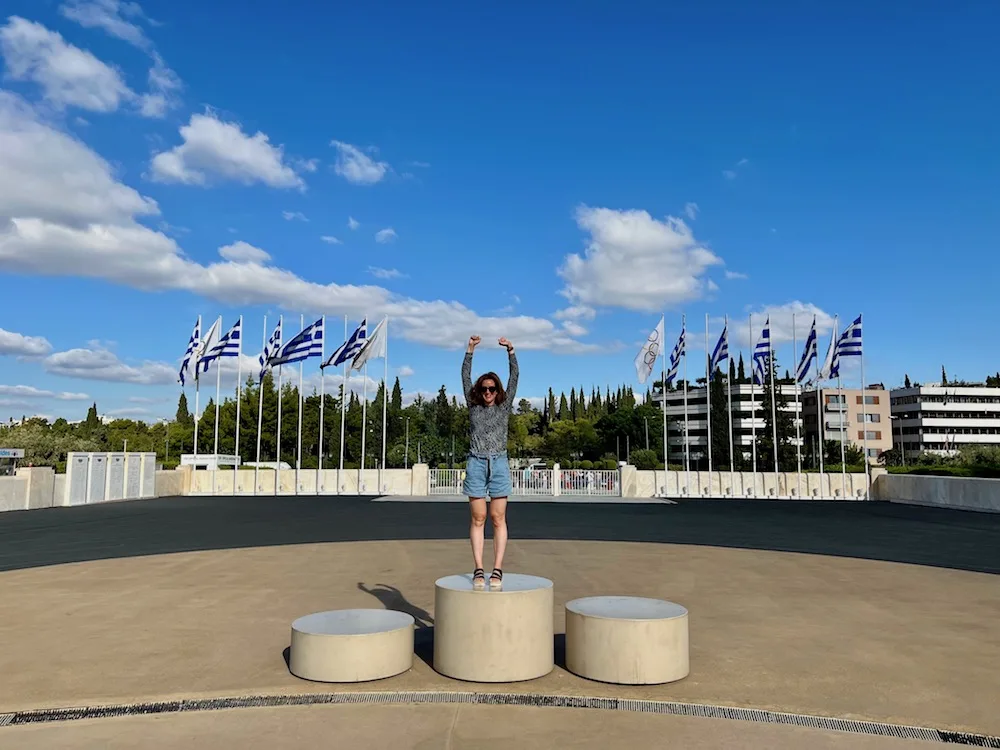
(488, 389)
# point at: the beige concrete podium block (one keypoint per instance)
(627, 640)
(351, 645)
(494, 636)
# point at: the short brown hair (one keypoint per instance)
(476, 396)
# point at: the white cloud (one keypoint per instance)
(146, 400)
(29, 391)
(357, 167)
(405, 371)
(329, 239)
(385, 273)
(130, 412)
(573, 328)
(18, 345)
(741, 162)
(216, 149)
(385, 236)
(293, 216)
(102, 364)
(353, 223)
(68, 75)
(691, 210)
(63, 213)
(729, 174)
(243, 252)
(733, 275)
(781, 323)
(163, 87)
(576, 312)
(712, 286)
(420, 164)
(306, 165)
(635, 262)
(109, 15)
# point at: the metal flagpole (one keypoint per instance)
(753, 407)
(687, 436)
(218, 396)
(732, 450)
(322, 400)
(820, 416)
(864, 418)
(364, 432)
(708, 397)
(843, 407)
(298, 450)
(277, 470)
(239, 398)
(774, 408)
(385, 404)
(197, 382)
(343, 410)
(798, 444)
(663, 405)
(260, 408)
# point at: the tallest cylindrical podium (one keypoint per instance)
(493, 636)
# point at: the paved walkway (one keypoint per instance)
(185, 598)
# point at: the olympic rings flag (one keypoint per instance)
(646, 359)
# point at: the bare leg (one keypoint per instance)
(498, 515)
(477, 528)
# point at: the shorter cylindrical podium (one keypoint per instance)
(493, 636)
(627, 640)
(351, 645)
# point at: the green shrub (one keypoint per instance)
(644, 460)
(587, 465)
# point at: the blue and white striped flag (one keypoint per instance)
(810, 353)
(270, 350)
(679, 351)
(762, 353)
(307, 343)
(721, 353)
(228, 346)
(347, 351)
(848, 345)
(193, 343)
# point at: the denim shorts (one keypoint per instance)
(487, 475)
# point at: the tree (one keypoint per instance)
(906, 381)
(732, 371)
(780, 426)
(563, 407)
(93, 421)
(552, 406)
(944, 376)
(183, 416)
(572, 403)
(720, 423)
(741, 376)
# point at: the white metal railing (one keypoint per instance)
(532, 481)
(603, 482)
(446, 481)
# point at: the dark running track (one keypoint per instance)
(877, 531)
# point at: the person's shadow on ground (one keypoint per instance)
(392, 598)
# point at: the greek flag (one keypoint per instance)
(675, 359)
(228, 346)
(848, 345)
(808, 354)
(762, 353)
(193, 343)
(270, 350)
(721, 353)
(347, 351)
(307, 343)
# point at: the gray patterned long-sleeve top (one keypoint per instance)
(488, 424)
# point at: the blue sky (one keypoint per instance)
(557, 174)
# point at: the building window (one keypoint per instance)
(874, 452)
(869, 417)
(871, 400)
(871, 435)
(837, 399)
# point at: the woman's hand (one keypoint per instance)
(505, 342)
(473, 342)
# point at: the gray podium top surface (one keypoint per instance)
(353, 622)
(512, 582)
(626, 608)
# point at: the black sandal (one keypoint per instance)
(478, 579)
(496, 578)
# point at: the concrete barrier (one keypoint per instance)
(964, 493)
(747, 485)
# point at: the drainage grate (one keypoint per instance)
(507, 699)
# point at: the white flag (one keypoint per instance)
(374, 348)
(826, 371)
(645, 360)
(210, 339)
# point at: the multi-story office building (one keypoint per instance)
(697, 417)
(843, 414)
(942, 419)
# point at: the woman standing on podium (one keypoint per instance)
(487, 473)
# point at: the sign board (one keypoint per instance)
(209, 460)
(11, 452)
